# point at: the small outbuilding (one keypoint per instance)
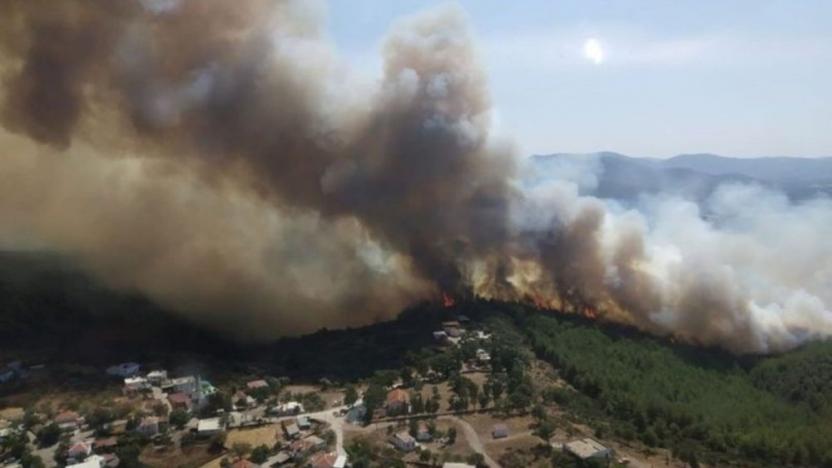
(587, 449)
(500, 431)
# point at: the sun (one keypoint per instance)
(593, 51)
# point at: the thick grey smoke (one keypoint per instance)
(218, 157)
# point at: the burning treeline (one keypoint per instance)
(219, 157)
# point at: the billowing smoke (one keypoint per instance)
(220, 158)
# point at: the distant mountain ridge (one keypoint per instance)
(693, 175)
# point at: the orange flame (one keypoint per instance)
(448, 300)
(539, 302)
(590, 312)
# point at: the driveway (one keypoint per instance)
(473, 439)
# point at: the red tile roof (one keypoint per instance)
(397, 396)
(254, 384)
(323, 460)
(105, 443)
(67, 416)
(179, 398)
(79, 448)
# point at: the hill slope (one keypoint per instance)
(694, 176)
(704, 404)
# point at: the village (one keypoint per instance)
(465, 406)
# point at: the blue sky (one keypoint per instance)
(740, 78)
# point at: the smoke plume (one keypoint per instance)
(220, 158)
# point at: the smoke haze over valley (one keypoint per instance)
(224, 160)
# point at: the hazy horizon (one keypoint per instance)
(650, 79)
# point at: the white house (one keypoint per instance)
(186, 385)
(156, 377)
(135, 384)
(403, 441)
(207, 427)
(291, 407)
(587, 449)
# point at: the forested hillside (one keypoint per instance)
(46, 306)
(696, 402)
(705, 405)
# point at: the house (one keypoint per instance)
(440, 336)
(397, 401)
(68, 420)
(452, 328)
(123, 370)
(149, 426)
(134, 385)
(291, 430)
(423, 433)
(304, 423)
(187, 385)
(180, 401)
(587, 449)
(241, 418)
(323, 460)
(93, 461)
(500, 431)
(106, 444)
(257, 384)
(241, 400)
(302, 447)
(357, 413)
(340, 461)
(157, 377)
(208, 427)
(483, 356)
(288, 408)
(403, 441)
(79, 451)
(314, 442)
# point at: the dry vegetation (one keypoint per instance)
(266, 435)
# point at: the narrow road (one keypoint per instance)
(336, 423)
